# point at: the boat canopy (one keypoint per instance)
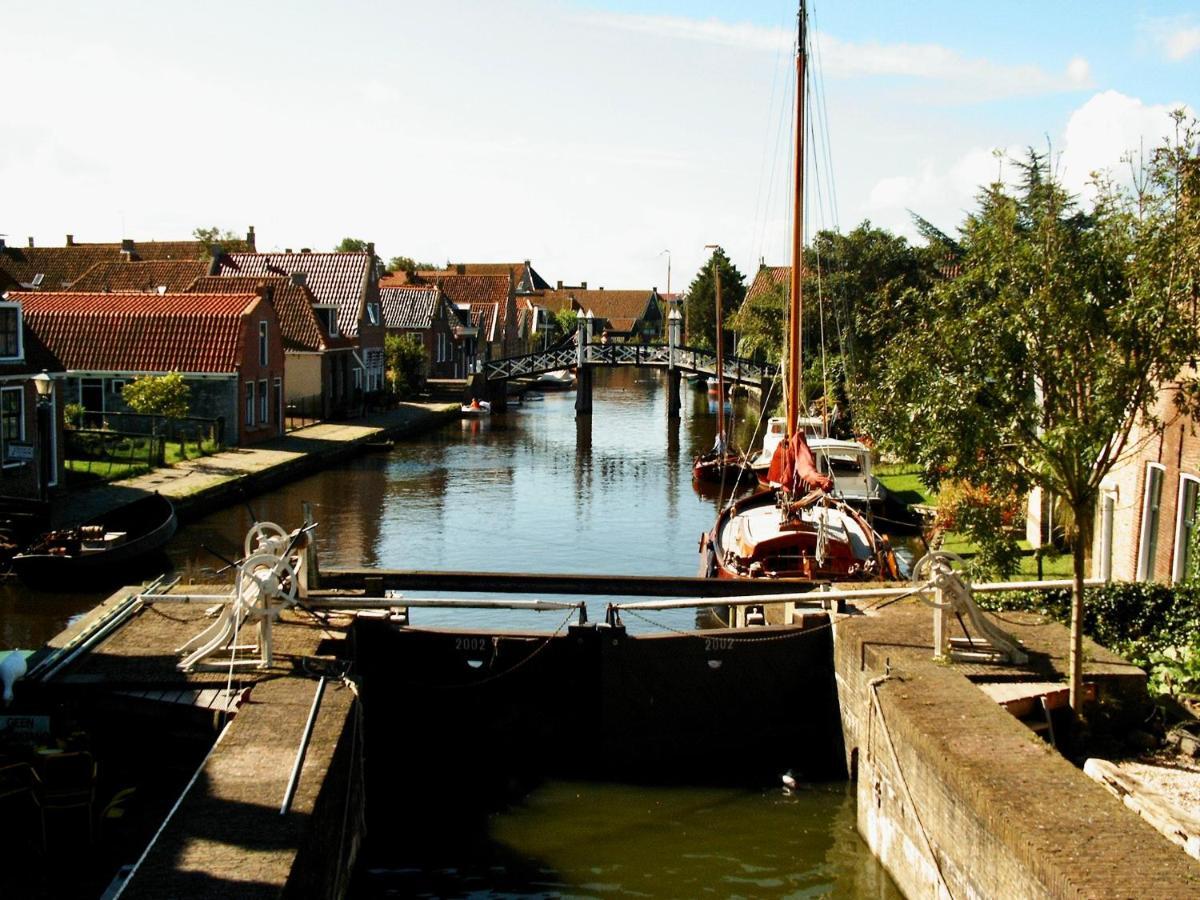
(795, 468)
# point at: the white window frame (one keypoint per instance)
(1145, 566)
(1177, 572)
(20, 357)
(250, 407)
(263, 343)
(331, 320)
(20, 392)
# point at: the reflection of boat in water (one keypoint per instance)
(723, 463)
(558, 380)
(476, 409)
(101, 547)
(800, 528)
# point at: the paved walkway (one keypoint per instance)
(189, 483)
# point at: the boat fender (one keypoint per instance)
(12, 668)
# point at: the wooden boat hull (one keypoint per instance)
(752, 539)
(726, 468)
(149, 524)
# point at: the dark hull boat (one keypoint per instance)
(715, 467)
(99, 548)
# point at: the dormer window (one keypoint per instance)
(10, 333)
(328, 317)
(372, 313)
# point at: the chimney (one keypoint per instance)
(70, 240)
(1, 242)
(583, 285)
(250, 237)
(306, 249)
(559, 288)
(214, 264)
(370, 248)
(287, 250)
(126, 244)
(298, 279)
(266, 291)
(31, 242)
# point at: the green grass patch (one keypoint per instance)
(903, 481)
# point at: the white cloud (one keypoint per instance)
(1096, 137)
(972, 78)
(1107, 127)
(1182, 44)
(1177, 37)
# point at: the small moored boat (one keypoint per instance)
(476, 408)
(100, 547)
(558, 380)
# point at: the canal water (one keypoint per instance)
(538, 490)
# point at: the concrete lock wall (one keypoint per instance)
(957, 798)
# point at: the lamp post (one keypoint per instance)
(674, 321)
(45, 390)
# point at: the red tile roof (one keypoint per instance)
(485, 295)
(337, 279)
(525, 276)
(766, 278)
(175, 275)
(298, 322)
(622, 310)
(139, 332)
(57, 266)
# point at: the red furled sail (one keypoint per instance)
(795, 468)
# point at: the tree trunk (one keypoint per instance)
(1083, 536)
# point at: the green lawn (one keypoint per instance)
(903, 480)
(129, 460)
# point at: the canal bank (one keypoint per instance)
(955, 796)
(203, 485)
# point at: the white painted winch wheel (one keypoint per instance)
(270, 574)
(261, 533)
(931, 567)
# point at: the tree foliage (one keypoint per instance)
(407, 264)
(702, 304)
(567, 320)
(351, 245)
(158, 395)
(1034, 363)
(215, 237)
(407, 361)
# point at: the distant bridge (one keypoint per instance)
(675, 359)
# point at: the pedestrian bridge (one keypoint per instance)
(693, 360)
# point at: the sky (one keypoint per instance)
(602, 140)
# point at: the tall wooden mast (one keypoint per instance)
(796, 294)
(716, 270)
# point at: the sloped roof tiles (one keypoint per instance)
(174, 274)
(336, 279)
(298, 323)
(410, 306)
(139, 332)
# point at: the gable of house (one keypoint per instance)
(344, 281)
(621, 311)
(766, 279)
(410, 307)
(299, 325)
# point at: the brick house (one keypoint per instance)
(624, 315)
(227, 346)
(1148, 502)
(311, 358)
(425, 311)
(345, 287)
(23, 447)
(488, 300)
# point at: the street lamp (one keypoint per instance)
(45, 390)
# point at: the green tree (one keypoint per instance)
(351, 245)
(158, 396)
(1034, 364)
(215, 237)
(407, 264)
(702, 304)
(567, 320)
(407, 361)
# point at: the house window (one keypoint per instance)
(249, 402)
(262, 343)
(1185, 524)
(10, 331)
(12, 417)
(373, 313)
(328, 317)
(264, 403)
(116, 385)
(1151, 503)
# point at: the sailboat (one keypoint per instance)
(723, 463)
(798, 529)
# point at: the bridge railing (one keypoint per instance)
(689, 359)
